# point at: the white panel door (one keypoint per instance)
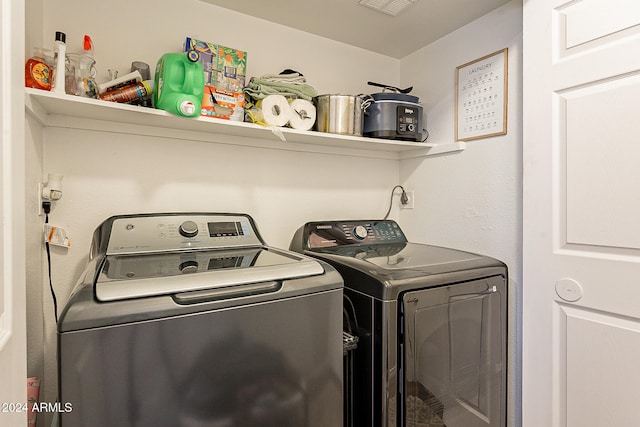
(12, 170)
(581, 267)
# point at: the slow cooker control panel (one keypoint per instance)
(343, 233)
(407, 120)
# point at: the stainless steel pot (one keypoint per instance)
(341, 114)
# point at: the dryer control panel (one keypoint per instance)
(343, 233)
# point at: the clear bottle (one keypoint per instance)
(86, 72)
(38, 72)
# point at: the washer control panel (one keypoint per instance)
(158, 233)
(343, 233)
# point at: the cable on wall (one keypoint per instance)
(46, 206)
(403, 199)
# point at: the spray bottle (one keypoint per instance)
(88, 85)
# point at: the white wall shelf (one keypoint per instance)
(91, 114)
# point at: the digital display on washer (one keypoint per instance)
(231, 262)
(225, 229)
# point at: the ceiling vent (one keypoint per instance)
(389, 7)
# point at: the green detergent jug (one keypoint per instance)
(179, 82)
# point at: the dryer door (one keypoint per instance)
(455, 355)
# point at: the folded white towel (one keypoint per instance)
(293, 78)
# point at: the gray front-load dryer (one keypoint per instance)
(190, 320)
(430, 321)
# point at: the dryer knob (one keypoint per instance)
(188, 229)
(360, 232)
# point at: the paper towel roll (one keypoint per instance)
(303, 114)
(275, 110)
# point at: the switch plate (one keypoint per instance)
(410, 202)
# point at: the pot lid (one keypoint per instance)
(400, 97)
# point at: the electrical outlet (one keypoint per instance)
(39, 207)
(410, 200)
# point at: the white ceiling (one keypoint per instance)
(349, 22)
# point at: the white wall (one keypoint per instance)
(125, 31)
(113, 173)
(35, 281)
(34, 267)
(471, 200)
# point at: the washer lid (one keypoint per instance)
(413, 256)
(129, 276)
(395, 257)
(384, 271)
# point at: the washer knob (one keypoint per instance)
(188, 267)
(360, 232)
(188, 229)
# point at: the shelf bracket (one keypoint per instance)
(433, 149)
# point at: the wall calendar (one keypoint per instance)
(481, 97)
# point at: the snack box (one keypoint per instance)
(223, 104)
(224, 67)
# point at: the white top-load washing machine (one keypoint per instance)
(430, 321)
(190, 320)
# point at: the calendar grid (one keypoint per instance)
(481, 97)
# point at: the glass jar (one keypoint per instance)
(80, 75)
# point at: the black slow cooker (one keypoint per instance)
(393, 114)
